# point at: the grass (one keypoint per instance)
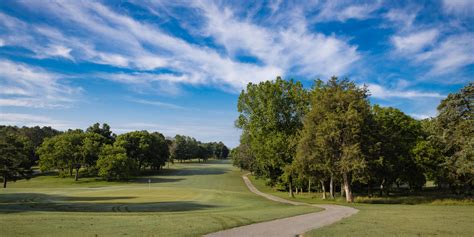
(188, 199)
(430, 217)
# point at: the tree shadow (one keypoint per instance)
(35, 202)
(197, 171)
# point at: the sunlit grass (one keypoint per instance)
(393, 216)
(187, 200)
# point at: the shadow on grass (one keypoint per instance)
(35, 202)
(197, 171)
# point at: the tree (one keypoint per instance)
(184, 148)
(160, 152)
(219, 150)
(242, 156)
(146, 149)
(14, 157)
(91, 145)
(271, 112)
(333, 129)
(64, 151)
(455, 126)
(103, 131)
(178, 150)
(34, 135)
(113, 163)
(392, 161)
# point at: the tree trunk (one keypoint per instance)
(342, 189)
(296, 190)
(76, 176)
(347, 187)
(4, 181)
(323, 189)
(331, 187)
(291, 190)
(381, 187)
(309, 186)
(369, 192)
(70, 171)
(301, 190)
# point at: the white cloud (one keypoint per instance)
(380, 92)
(157, 103)
(30, 120)
(286, 48)
(460, 7)
(450, 55)
(415, 42)
(403, 18)
(421, 116)
(441, 49)
(27, 86)
(344, 10)
(107, 37)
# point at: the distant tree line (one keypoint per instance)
(330, 135)
(95, 151)
(186, 148)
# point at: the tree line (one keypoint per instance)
(331, 135)
(97, 151)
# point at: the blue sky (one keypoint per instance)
(178, 66)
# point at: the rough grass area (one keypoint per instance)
(387, 217)
(403, 220)
(186, 200)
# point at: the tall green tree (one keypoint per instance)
(333, 130)
(14, 157)
(160, 151)
(271, 112)
(64, 152)
(392, 161)
(455, 128)
(103, 131)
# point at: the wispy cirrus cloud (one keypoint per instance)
(110, 37)
(156, 103)
(459, 7)
(415, 42)
(28, 86)
(344, 10)
(381, 92)
(437, 46)
(450, 55)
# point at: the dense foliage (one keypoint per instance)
(271, 114)
(14, 157)
(331, 135)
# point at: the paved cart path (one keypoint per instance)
(290, 226)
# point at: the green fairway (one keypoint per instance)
(438, 218)
(188, 199)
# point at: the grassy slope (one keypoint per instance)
(394, 219)
(187, 200)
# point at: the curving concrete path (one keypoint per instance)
(290, 226)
